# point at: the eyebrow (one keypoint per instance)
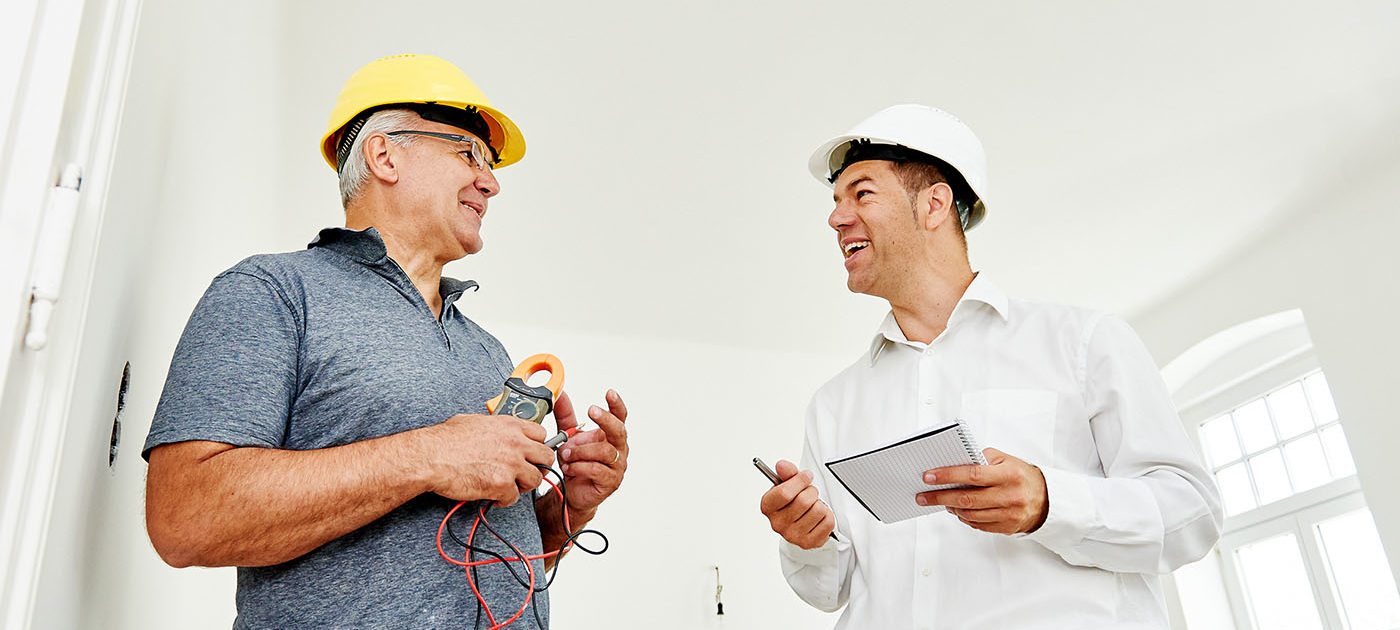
(859, 180)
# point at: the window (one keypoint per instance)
(1277, 445)
(1300, 550)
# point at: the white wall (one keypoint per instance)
(1335, 258)
(214, 165)
(154, 257)
(202, 182)
(98, 568)
(699, 414)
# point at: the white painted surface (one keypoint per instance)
(1191, 165)
(34, 83)
(1335, 260)
(1263, 349)
(1199, 358)
(62, 115)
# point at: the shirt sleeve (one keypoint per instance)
(234, 373)
(1157, 507)
(821, 576)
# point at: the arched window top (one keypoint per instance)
(1235, 354)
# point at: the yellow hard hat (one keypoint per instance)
(434, 85)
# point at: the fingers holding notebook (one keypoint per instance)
(1008, 495)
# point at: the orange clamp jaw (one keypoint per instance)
(523, 401)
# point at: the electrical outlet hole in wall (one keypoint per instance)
(117, 419)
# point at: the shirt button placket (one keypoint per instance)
(925, 393)
(925, 580)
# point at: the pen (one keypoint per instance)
(773, 477)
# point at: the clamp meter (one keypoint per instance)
(523, 401)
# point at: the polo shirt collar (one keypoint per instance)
(451, 288)
(981, 291)
(367, 246)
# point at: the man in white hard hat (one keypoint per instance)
(326, 408)
(1092, 488)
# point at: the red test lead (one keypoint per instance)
(563, 436)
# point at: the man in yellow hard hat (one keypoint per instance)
(1090, 488)
(325, 408)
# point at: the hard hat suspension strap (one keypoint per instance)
(864, 150)
(468, 119)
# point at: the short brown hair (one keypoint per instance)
(916, 176)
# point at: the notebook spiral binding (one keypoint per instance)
(974, 450)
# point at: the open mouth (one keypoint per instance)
(849, 249)
(475, 210)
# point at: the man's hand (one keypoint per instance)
(1010, 497)
(794, 509)
(484, 457)
(593, 461)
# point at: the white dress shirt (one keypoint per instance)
(1071, 391)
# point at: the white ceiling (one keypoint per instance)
(1132, 146)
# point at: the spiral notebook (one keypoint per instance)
(886, 479)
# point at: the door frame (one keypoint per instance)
(70, 88)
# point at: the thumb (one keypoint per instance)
(994, 456)
(785, 469)
(564, 412)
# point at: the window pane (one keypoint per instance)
(1276, 584)
(1306, 465)
(1235, 490)
(1270, 477)
(1218, 438)
(1289, 408)
(1334, 443)
(1255, 428)
(1324, 410)
(1359, 570)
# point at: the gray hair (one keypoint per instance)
(355, 172)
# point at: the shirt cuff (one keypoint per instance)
(826, 555)
(1071, 512)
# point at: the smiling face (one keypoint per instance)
(877, 229)
(443, 197)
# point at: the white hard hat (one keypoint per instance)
(927, 130)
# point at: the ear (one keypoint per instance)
(381, 158)
(936, 202)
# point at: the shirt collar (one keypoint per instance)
(451, 288)
(982, 290)
(367, 246)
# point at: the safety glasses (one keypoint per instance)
(477, 156)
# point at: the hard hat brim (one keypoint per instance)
(824, 161)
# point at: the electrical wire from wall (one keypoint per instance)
(719, 590)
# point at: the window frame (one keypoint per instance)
(1302, 523)
(1298, 514)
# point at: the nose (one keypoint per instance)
(841, 216)
(487, 184)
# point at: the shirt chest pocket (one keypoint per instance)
(1019, 422)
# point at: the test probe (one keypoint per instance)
(521, 400)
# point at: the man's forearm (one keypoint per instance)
(211, 504)
(552, 532)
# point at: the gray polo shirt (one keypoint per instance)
(325, 347)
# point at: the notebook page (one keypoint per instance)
(886, 479)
